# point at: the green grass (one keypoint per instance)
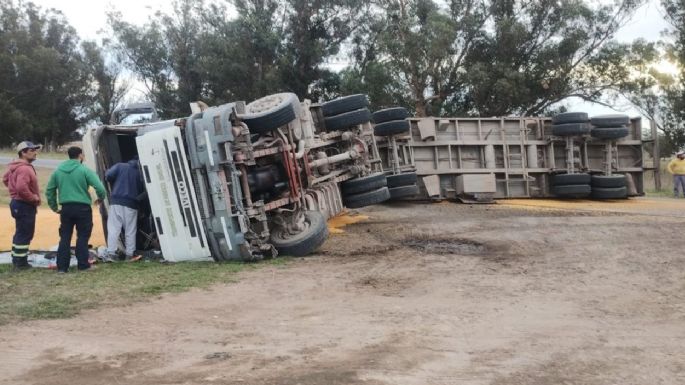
(44, 294)
(43, 177)
(659, 193)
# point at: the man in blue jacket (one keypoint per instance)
(127, 192)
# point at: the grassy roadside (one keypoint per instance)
(7, 153)
(43, 294)
(659, 193)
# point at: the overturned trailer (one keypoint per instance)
(479, 159)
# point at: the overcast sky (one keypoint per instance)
(88, 17)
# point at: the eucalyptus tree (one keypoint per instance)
(43, 79)
(492, 57)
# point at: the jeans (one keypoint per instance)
(678, 182)
(81, 216)
(24, 215)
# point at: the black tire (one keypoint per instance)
(367, 198)
(393, 127)
(402, 179)
(363, 184)
(388, 114)
(270, 112)
(344, 104)
(608, 181)
(570, 117)
(609, 132)
(404, 191)
(570, 179)
(305, 242)
(347, 119)
(570, 129)
(613, 120)
(572, 191)
(609, 193)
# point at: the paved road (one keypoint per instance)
(47, 163)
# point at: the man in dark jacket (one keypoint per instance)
(71, 181)
(22, 183)
(127, 191)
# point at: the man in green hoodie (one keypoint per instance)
(70, 182)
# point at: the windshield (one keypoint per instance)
(135, 118)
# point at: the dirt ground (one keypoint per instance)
(522, 292)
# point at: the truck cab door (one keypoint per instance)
(172, 196)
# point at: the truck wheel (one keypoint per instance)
(608, 181)
(611, 120)
(609, 132)
(388, 114)
(609, 193)
(569, 179)
(367, 198)
(347, 119)
(401, 179)
(572, 191)
(363, 184)
(570, 129)
(305, 242)
(400, 192)
(570, 117)
(270, 112)
(393, 127)
(344, 104)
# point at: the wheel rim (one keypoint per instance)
(266, 103)
(282, 235)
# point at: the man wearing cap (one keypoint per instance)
(70, 183)
(22, 183)
(677, 168)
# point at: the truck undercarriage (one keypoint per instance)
(244, 181)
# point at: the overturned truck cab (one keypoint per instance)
(239, 181)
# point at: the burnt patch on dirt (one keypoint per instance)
(504, 254)
(441, 246)
(217, 356)
(361, 252)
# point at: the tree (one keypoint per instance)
(239, 57)
(43, 79)
(542, 52)
(197, 52)
(421, 46)
(657, 94)
(109, 88)
(494, 57)
(314, 31)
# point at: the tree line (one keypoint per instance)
(437, 58)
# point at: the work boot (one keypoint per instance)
(22, 263)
